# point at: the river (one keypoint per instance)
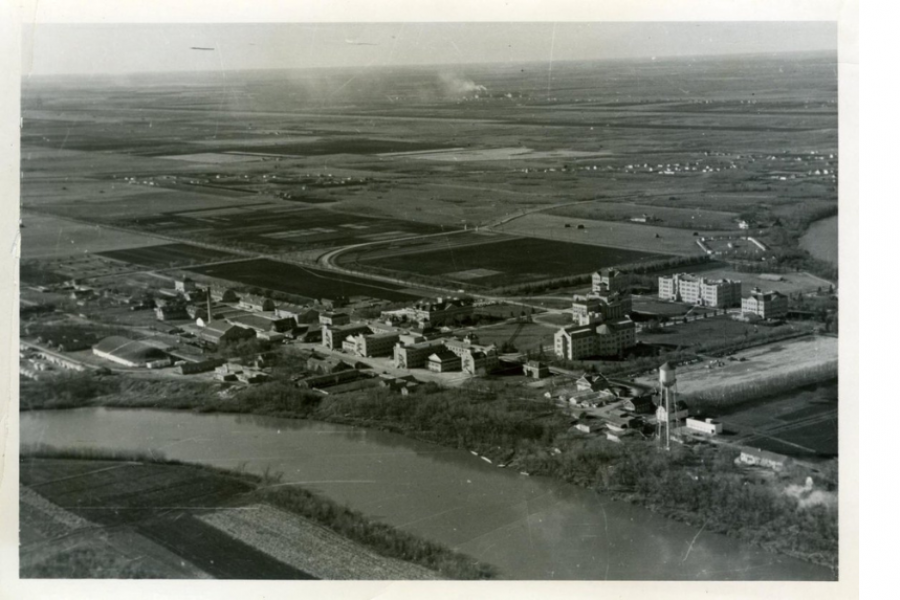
(821, 240)
(527, 527)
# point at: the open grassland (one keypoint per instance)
(303, 281)
(712, 329)
(45, 236)
(630, 236)
(695, 219)
(510, 261)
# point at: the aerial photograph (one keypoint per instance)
(429, 301)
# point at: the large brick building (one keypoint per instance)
(608, 338)
(682, 287)
(604, 306)
(765, 305)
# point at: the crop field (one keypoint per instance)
(167, 255)
(140, 497)
(509, 261)
(796, 423)
(283, 228)
(302, 281)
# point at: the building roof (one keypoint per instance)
(443, 355)
(130, 350)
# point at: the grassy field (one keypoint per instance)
(524, 336)
(303, 281)
(45, 236)
(509, 261)
(660, 215)
(701, 331)
(629, 236)
(167, 255)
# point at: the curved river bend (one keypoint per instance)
(528, 527)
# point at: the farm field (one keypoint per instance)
(509, 261)
(167, 255)
(282, 228)
(797, 423)
(629, 236)
(150, 520)
(302, 281)
(45, 236)
(138, 497)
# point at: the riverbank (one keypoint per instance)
(281, 532)
(698, 485)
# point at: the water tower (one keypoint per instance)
(666, 398)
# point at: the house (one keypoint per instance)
(444, 361)
(764, 458)
(535, 369)
(131, 353)
(593, 383)
(221, 293)
(327, 364)
(703, 425)
(256, 302)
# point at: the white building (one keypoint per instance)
(682, 287)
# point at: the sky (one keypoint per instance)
(108, 49)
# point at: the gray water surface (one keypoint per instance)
(527, 527)
(821, 240)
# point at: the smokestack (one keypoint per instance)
(208, 304)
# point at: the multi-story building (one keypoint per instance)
(334, 318)
(765, 305)
(438, 312)
(611, 280)
(333, 337)
(444, 361)
(600, 306)
(256, 302)
(682, 287)
(371, 344)
(476, 358)
(609, 338)
(415, 356)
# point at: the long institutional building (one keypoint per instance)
(682, 287)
